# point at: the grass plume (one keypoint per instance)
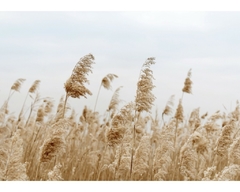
(75, 85)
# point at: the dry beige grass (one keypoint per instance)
(42, 144)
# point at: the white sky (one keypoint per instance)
(47, 45)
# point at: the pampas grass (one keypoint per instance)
(115, 100)
(17, 84)
(141, 158)
(188, 83)
(169, 107)
(74, 86)
(14, 169)
(144, 97)
(125, 143)
(55, 142)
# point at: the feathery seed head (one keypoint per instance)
(144, 97)
(115, 136)
(188, 167)
(141, 158)
(51, 148)
(106, 81)
(199, 142)
(55, 142)
(40, 114)
(188, 83)
(168, 109)
(17, 85)
(34, 87)
(75, 89)
(15, 170)
(115, 100)
(204, 115)
(225, 139)
(60, 109)
(74, 86)
(84, 112)
(179, 112)
(49, 106)
(234, 152)
(194, 119)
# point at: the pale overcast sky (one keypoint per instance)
(47, 45)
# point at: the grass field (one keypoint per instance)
(49, 142)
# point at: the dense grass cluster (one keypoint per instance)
(128, 143)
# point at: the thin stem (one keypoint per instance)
(22, 107)
(37, 172)
(132, 151)
(175, 156)
(31, 110)
(10, 95)
(97, 97)
(175, 137)
(134, 139)
(163, 118)
(134, 128)
(182, 95)
(65, 102)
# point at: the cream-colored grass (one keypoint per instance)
(41, 144)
